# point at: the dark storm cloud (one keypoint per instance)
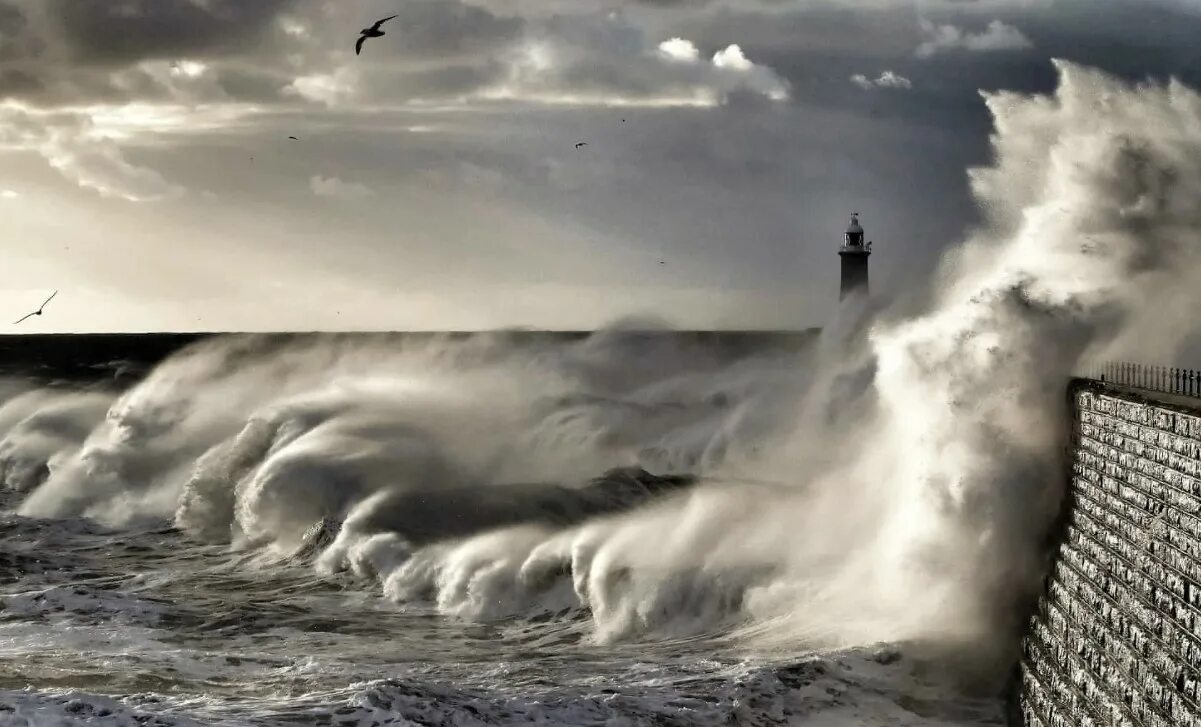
(251, 84)
(436, 83)
(126, 31)
(746, 192)
(93, 51)
(816, 46)
(437, 28)
(15, 82)
(16, 42)
(1132, 40)
(106, 51)
(12, 22)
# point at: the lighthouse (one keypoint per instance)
(854, 254)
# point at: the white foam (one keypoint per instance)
(894, 485)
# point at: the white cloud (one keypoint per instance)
(733, 58)
(135, 121)
(83, 151)
(996, 37)
(621, 67)
(294, 27)
(189, 69)
(8, 194)
(679, 49)
(887, 79)
(99, 165)
(334, 187)
(326, 88)
(737, 71)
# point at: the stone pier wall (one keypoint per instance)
(1116, 639)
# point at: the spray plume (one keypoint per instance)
(893, 484)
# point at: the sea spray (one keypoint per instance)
(42, 430)
(1094, 229)
(894, 484)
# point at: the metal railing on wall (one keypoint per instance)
(1166, 379)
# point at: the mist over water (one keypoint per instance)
(893, 482)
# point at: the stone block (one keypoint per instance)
(1116, 639)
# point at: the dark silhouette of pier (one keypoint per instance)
(125, 357)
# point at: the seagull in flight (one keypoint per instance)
(293, 138)
(372, 32)
(38, 312)
(581, 143)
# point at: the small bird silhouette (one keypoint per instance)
(372, 32)
(581, 143)
(293, 138)
(38, 312)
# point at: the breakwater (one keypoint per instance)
(1116, 637)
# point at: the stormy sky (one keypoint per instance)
(146, 170)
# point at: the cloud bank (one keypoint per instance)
(996, 37)
(887, 79)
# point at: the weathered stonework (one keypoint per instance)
(1116, 639)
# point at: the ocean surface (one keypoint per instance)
(478, 530)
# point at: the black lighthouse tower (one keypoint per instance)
(854, 253)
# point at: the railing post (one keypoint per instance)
(1152, 377)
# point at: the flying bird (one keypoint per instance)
(38, 312)
(293, 138)
(581, 143)
(372, 32)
